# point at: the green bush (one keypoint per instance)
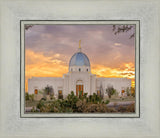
(60, 96)
(26, 96)
(94, 99)
(110, 91)
(128, 90)
(95, 108)
(81, 104)
(40, 104)
(133, 94)
(34, 109)
(76, 104)
(107, 102)
(31, 97)
(51, 96)
(44, 99)
(71, 101)
(133, 91)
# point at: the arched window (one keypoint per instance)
(79, 69)
(98, 92)
(71, 69)
(35, 91)
(60, 94)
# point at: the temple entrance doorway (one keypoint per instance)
(79, 87)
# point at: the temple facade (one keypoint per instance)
(78, 78)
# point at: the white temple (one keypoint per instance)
(78, 78)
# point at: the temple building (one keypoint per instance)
(78, 78)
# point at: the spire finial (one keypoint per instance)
(79, 44)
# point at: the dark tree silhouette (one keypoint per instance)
(27, 26)
(110, 91)
(123, 28)
(48, 90)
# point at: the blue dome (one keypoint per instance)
(79, 59)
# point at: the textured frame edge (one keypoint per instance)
(73, 115)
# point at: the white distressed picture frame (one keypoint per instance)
(11, 123)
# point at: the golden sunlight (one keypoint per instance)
(38, 65)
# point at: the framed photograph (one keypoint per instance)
(58, 79)
(79, 69)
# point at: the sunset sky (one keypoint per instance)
(48, 49)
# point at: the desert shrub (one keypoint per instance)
(133, 91)
(80, 94)
(85, 95)
(45, 109)
(93, 108)
(111, 110)
(110, 91)
(72, 103)
(72, 100)
(133, 94)
(59, 106)
(90, 104)
(43, 99)
(90, 108)
(51, 96)
(128, 90)
(31, 97)
(121, 109)
(107, 102)
(101, 108)
(26, 96)
(60, 96)
(40, 104)
(94, 99)
(34, 109)
(131, 108)
(81, 104)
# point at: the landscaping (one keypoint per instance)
(81, 104)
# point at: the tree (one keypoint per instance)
(110, 91)
(128, 90)
(27, 26)
(133, 91)
(31, 97)
(27, 96)
(48, 90)
(123, 28)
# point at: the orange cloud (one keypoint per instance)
(126, 70)
(38, 65)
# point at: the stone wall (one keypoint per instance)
(41, 82)
(67, 84)
(118, 83)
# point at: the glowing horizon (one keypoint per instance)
(48, 49)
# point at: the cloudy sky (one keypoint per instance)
(48, 49)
